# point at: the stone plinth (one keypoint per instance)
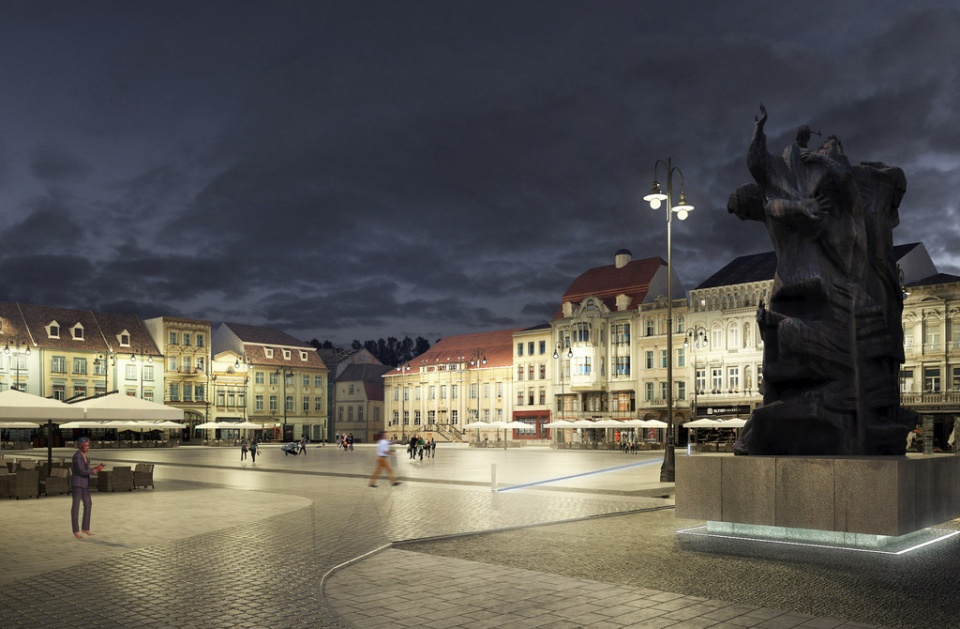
(880, 495)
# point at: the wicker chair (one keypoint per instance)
(23, 484)
(143, 475)
(57, 483)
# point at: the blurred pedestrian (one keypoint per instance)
(384, 450)
(254, 449)
(243, 449)
(80, 486)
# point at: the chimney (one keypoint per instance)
(622, 258)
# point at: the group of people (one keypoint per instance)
(345, 441)
(418, 446)
(253, 448)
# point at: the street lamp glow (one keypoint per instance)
(655, 198)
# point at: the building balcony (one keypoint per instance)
(948, 400)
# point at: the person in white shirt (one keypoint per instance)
(384, 448)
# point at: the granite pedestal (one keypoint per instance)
(887, 496)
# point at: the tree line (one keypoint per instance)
(390, 351)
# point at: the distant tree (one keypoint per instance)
(389, 351)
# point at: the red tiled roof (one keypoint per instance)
(606, 282)
(495, 346)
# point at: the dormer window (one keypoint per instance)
(286, 354)
(124, 338)
(53, 330)
(303, 355)
(268, 351)
(77, 332)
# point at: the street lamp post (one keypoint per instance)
(18, 343)
(477, 358)
(556, 357)
(656, 198)
(696, 338)
(286, 372)
(403, 369)
(106, 359)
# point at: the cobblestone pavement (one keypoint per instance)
(225, 544)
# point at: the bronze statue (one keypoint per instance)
(832, 335)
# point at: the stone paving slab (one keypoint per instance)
(225, 544)
(403, 588)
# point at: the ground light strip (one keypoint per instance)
(557, 480)
(696, 531)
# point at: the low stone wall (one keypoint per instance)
(873, 495)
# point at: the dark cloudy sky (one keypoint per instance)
(353, 170)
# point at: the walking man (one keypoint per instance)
(384, 447)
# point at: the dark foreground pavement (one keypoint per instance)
(302, 542)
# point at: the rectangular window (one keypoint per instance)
(174, 391)
(499, 390)
(58, 364)
(530, 372)
(200, 341)
(454, 391)
(172, 338)
(80, 365)
(520, 372)
(288, 403)
(454, 417)
(186, 339)
(530, 398)
(78, 389)
(716, 379)
(273, 404)
(318, 403)
(543, 396)
(648, 359)
(681, 390)
(318, 380)
(173, 364)
(519, 397)
(147, 373)
(258, 403)
(360, 415)
(663, 359)
(231, 398)
(432, 392)
(416, 394)
(486, 390)
(130, 372)
(443, 391)
(187, 393)
(648, 391)
(221, 397)
(416, 418)
(306, 380)
(681, 358)
(543, 371)
(258, 377)
(649, 327)
(543, 347)
(530, 348)
(199, 393)
(932, 340)
(701, 380)
(59, 392)
(274, 378)
(519, 349)
(733, 378)
(306, 404)
(931, 380)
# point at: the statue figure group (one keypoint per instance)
(832, 332)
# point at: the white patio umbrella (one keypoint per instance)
(19, 406)
(559, 423)
(733, 422)
(653, 423)
(703, 422)
(18, 425)
(127, 407)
